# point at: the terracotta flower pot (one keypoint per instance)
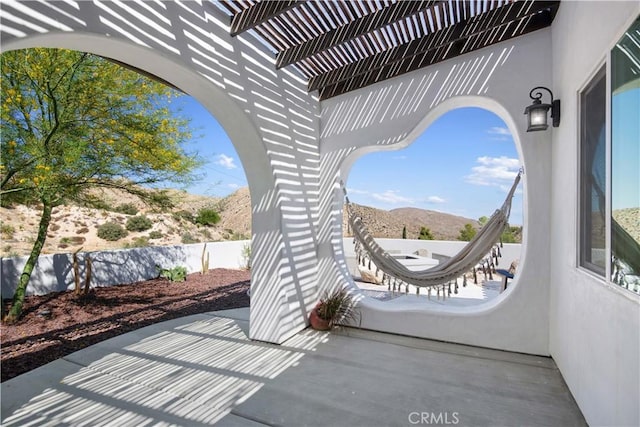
(316, 322)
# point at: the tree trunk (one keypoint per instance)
(18, 296)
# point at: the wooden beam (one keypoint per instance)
(437, 53)
(364, 25)
(259, 13)
(430, 43)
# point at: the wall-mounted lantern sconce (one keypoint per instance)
(537, 112)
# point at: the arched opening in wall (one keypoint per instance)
(97, 157)
(91, 134)
(423, 203)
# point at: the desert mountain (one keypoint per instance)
(389, 224)
(75, 227)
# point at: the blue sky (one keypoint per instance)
(462, 164)
(222, 174)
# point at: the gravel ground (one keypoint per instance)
(77, 322)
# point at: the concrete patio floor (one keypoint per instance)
(202, 369)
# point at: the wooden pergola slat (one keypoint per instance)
(364, 25)
(259, 13)
(431, 56)
(458, 32)
(343, 46)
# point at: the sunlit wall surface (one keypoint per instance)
(625, 160)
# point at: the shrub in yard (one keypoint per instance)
(183, 215)
(138, 242)
(187, 238)
(111, 231)
(7, 231)
(207, 217)
(127, 208)
(155, 234)
(175, 274)
(139, 223)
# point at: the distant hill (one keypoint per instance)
(75, 227)
(389, 224)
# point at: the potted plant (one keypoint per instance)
(333, 308)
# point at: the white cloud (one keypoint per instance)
(493, 171)
(226, 162)
(392, 197)
(356, 191)
(400, 157)
(497, 130)
(435, 200)
(233, 186)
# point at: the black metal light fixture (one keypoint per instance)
(537, 112)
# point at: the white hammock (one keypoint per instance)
(476, 250)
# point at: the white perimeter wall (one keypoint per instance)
(595, 327)
(55, 272)
(510, 251)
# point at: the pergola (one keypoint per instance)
(341, 46)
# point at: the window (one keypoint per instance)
(625, 160)
(610, 234)
(593, 174)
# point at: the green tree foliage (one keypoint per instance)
(111, 231)
(512, 234)
(404, 232)
(207, 217)
(139, 223)
(71, 121)
(425, 234)
(483, 220)
(467, 233)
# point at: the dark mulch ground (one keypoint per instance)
(78, 322)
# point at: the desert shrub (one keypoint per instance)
(139, 223)
(175, 274)
(126, 208)
(239, 236)
(188, 238)
(207, 217)
(111, 231)
(155, 234)
(7, 231)
(425, 234)
(100, 204)
(65, 240)
(206, 234)
(138, 242)
(183, 215)
(467, 233)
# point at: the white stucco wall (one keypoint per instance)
(54, 273)
(390, 115)
(268, 115)
(594, 333)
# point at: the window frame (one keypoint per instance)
(603, 66)
(605, 61)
